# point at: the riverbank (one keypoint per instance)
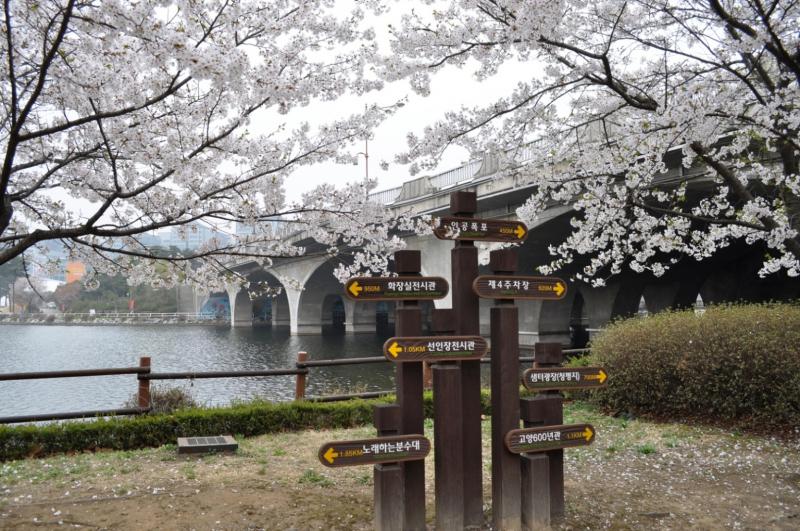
(101, 320)
(637, 475)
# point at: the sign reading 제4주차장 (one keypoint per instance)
(519, 287)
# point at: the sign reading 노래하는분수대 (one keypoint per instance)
(435, 348)
(519, 287)
(374, 451)
(489, 230)
(556, 378)
(544, 438)
(396, 288)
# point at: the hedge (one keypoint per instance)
(127, 433)
(732, 364)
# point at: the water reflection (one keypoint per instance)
(188, 348)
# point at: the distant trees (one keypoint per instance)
(112, 294)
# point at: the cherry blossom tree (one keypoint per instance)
(613, 88)
(152, 114)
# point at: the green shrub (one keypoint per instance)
(731, 364)
(127, 433)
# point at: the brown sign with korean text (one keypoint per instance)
(435, 348)
(546, 438)
(373, 451)
(565, 378)
(488, 230)
(396, 288)
(519, 287)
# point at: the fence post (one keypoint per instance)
(144, 383)
(300, 385)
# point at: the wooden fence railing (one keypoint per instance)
(145, 375)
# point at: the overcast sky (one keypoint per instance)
(451, 88)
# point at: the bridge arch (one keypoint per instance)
(263, 303)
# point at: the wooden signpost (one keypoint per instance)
(546, 438)
(374, 451)
(435, 348)
(514, 287)
(527, 464)
(567, 378)
(396, 288)
(488, 230)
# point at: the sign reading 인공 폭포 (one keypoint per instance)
(396, 288)
(519, 287)
(488, 230)
(435, 348)
(373, 451)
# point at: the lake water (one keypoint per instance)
(174, 348)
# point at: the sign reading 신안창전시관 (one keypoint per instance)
(374, 451)
(489, 230)
(519, 287)
(435, 348)
(544, 438)
(396, 288)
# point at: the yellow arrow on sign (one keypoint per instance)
(601, 376)
(355, 289)
(395, 349)
(588, 434)
(559, 288)
(519, 231)
(330, 455)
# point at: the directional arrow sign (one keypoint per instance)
(371, 451)
(564, 378)
(516, 287)
(488, 230)
(396, 288)
(549, 438)
(435, 348)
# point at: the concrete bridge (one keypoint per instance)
(314, 301)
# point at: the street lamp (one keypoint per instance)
(397, 105)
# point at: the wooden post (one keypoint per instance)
(535, 491)
(144, 384)
(550, 355)
(535, 468)
(408, 322)
(506, 508)
(388, 477)
(300, 384)
(464, 269)
(447, 433)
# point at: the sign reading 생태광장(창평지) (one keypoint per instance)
(374, 451)
(519, 287)
(396, 288)
(488, 230)
(555, 378)
(435, 348)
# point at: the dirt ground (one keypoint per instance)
(637, 475)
